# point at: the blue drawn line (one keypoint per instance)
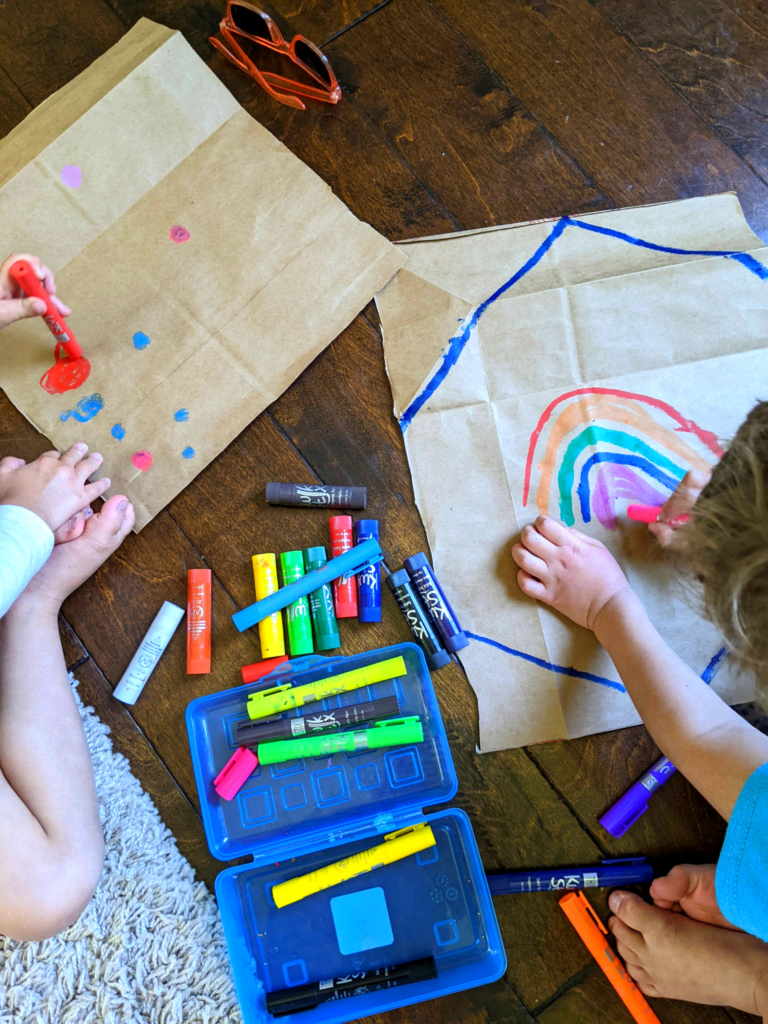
(85, 409)
(709, 673)
(450, 355)
(456, 345)
(559, 669)
(715, 663)
(623, 460)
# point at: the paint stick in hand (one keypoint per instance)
(651, 513)
(22, 273)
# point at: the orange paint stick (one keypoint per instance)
(198, 621)
(592, 932)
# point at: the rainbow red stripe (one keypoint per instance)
(624, 435)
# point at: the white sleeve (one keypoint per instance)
(26, 543)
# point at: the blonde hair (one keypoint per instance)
(725, 544)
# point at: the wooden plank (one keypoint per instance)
(490, 1004)
(43, 45)
(714, 54)
(174, 808)
(592, 773)
(594, 1001)
(455, 122)
(13, 107)
(637, 139)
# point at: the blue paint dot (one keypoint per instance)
(188, 453)
(85, 409)
(181, 415)
(118, 431)
(141, 340)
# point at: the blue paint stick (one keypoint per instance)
(436, 603)
(369, 579)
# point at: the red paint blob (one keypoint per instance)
(66, 374)
(142, 460)
(178, 234)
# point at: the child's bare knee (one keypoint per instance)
(56, 894)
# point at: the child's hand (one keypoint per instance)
(53, 486)
(566, 569)
(679, 503)
(14, 305)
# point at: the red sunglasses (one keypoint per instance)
(245, 20)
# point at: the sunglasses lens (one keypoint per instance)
(249, 21)
(313, 60)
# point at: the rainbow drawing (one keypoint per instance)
(598, 446)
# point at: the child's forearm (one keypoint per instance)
(706, 740)
(48, 778)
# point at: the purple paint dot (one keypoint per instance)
(178, 234)
(72, 176)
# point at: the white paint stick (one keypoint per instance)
(148, 654)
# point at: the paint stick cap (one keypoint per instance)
(397, 578)
(315, 558)
(415, 562)
(292, 560)
(358, 497)
(438, 660)
(365, 528)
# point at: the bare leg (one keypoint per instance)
(51, 848)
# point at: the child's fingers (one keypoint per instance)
(531, 587)
(71, 530)
(62, 307)
(536, 542)
(684, 496)
(73, 455)
(10, 462)
(531, 563)
(86, 467)
(552, 530)
(96, 489)
(663, 532)
(46, 277)
(21, 309)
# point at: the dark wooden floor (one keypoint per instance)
(455, 115)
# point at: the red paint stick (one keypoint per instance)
(261, 668)
(198, 621)
(651, 513)
(344, 588)
(25, 277)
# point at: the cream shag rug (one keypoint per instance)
(149, 949)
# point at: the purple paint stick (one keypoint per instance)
(634, 803)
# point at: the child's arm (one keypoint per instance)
(707, 741)
(50, 843)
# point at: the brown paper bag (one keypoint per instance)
(571, 367)
(206, 265)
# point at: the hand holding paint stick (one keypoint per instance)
(23, 273)
(652, 514)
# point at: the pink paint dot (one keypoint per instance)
(178, 234)
(142, 460)
(72, 176)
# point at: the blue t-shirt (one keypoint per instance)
(740, 882)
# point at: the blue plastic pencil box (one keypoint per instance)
(295, 817)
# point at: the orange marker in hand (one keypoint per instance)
(592, 932)
(25, 277)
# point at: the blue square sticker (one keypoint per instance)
(362, 921)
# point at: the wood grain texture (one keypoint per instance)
(594, 1001)
(629, 131)
(43, 49)
(715, 54)
(454, 121)
(452, 117)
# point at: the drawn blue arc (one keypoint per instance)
(637, 461)
(709, 673)
(456, 345)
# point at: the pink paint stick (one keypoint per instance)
(28, 281)
(651, 513)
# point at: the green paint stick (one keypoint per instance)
(321, 604)
(299, 622)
